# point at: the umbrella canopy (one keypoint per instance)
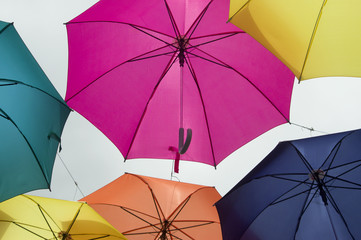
(313, 38)
(150, 208)
(32, 117)
(148, 72)
(31, 217)
(304, 189)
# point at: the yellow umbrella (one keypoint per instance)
(33, 218)
(314, 38)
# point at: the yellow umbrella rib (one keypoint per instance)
(74, 218)
(24, 225)
(240, 9)
(43, 213)
(312, 38)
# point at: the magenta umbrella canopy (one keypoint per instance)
(142, 71)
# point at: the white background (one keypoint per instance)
(328, 105)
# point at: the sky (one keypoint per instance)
(88, 160)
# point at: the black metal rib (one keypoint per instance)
(191, 69)
(268, 205)
(214, 40)
(8, 25)
(113, 68)
(334, 204)
(209, 60)
(304, 160)
(147, 33)
(306, 204)
(197, 21)
(342, 180)
(289, 179)
(172, 20)
(140, 218)
(15, 82)
(170, 64)
(342, 165)
(125, 23)
(7, 117)
(15, 223)
(247, 79)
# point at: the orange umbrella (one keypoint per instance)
(150, 208)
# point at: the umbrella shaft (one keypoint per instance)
(181, 98)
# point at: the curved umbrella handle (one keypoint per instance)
(183, 146)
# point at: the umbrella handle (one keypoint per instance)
(183, 146)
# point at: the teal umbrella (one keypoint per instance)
(32, 117)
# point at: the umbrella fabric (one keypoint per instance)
(314, 38)
(147, 72)
(150, 208)
(304, 189)
(32, 117)
(31, 217)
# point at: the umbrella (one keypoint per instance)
(31, 217)
(313, 38)
(304, 189)
(151, 208)
(32, 117)
(171, 80)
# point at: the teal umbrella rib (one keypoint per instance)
(7, 117)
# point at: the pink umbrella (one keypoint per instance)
(143, 71)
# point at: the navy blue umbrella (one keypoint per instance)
(304, 189)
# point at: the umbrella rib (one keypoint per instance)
(111, 69)
(337, 147)
(312, 38)
(74, 218)
(247, 79)
(343, 180)
(195, 24)
(192, 71)
(305, 162)
(334, 204)
(7, 117)
(214, 40)
(342, 165)
(125, 23)
(46, 220)
(240, 9)
(304, 208)
(139, 29)
(289, 190)
(15, 82)
(100, 237)
(273, 203)
(278, 174)
(131, 213)
(169, 65)
(8, 25)
(29, 230)
(180, 207)
(152, 56)
(172, 20)
(288, 179)
(43, 212)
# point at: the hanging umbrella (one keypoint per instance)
(314, 38)
(32, 117)
(304, 189)
(171, 80)
(31, 217)
(150, 208)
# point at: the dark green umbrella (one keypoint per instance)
(32, 117)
